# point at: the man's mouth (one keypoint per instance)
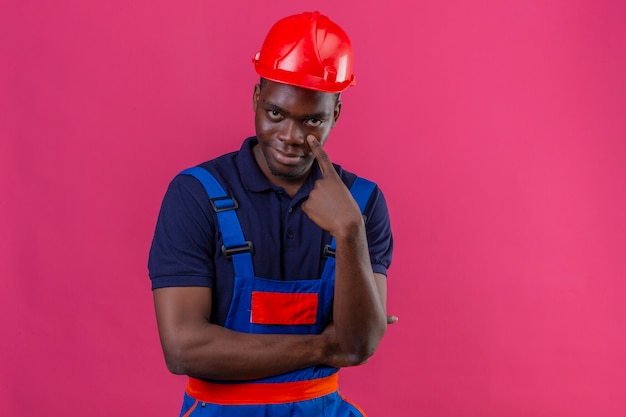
(287, 158)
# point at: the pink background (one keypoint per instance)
(496, 129)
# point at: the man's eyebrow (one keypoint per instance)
(320, 116)
(272, 106)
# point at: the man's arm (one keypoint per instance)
(360, 295)
(194, 346)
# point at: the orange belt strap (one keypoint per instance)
(265, 393)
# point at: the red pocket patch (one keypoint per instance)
(283, 308)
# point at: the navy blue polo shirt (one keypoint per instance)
(287, 244)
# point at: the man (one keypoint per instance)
(269, 264)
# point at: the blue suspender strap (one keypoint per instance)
(235, 244)
(361, 191)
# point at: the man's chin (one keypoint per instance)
(288, 174)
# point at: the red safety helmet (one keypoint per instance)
(307, 50)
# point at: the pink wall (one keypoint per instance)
(497, 131)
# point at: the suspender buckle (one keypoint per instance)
(328, 251)
(224, 203)
(236, 250)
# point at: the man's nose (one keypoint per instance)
(291, 132)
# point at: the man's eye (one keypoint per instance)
(274, 114)
(313, 122)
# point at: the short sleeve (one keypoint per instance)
(379, 235)
(183, 246)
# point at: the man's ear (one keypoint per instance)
(255, 96)
(337, 112)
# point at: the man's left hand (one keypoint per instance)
(330, 204)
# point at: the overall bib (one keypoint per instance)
(266, 306)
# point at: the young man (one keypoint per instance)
(269, 264)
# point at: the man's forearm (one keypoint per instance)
(359, 310)
(214, 352)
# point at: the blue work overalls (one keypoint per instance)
(266, 306)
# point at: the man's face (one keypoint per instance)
(284, 116)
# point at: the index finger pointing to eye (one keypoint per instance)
(320, 154)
